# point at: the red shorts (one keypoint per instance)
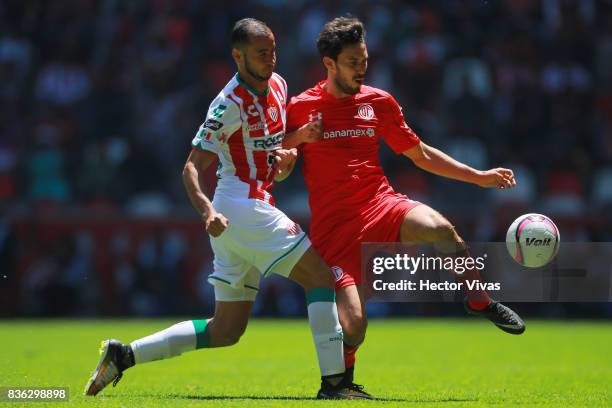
(340, 247)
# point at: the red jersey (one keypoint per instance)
(343, 174)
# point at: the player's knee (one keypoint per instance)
(312, 272)
(232, 336)
(442, 230)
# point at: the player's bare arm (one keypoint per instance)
(308, 133)
(284, 163)
(193, 172)
(437, 162)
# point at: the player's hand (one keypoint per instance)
(311, 132)
(215, 223)
(284, 160)
(499, 177)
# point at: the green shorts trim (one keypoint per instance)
(280, 258)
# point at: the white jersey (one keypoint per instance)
(243, 127)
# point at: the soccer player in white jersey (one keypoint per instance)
(244, 128)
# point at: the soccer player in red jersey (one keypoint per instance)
(249, 236)
(350, 198)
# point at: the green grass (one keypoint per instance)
(405, 362)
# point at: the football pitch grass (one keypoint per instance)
(415, 362)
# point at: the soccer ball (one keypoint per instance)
(533, 240)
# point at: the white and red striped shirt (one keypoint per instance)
(243, 127)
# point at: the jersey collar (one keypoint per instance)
(251, 90)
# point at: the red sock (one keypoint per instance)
(349, 355)
(477, 299)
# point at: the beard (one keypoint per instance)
(253, 73)
(346, 88)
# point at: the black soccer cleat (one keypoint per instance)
(501, 316)
(110, 366)
(346, 389)
(347, 392)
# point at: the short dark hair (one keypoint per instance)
(247, 28)
(337, 34)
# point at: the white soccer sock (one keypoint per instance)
(326, 330)
(167, 343)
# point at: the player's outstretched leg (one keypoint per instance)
(317, 280)
(500, 315)
(425, 225)
(224, 329)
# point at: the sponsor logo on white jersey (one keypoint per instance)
(256, 126)
(212, 124)
(218, 111)
(365, 111)
(269, 142)
(332, 134)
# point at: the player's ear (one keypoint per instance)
(237, 55)
(330, 64)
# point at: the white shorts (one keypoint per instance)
(259, 240)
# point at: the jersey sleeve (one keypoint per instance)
(223, 118)
(297, 117)
(282, 86)
(396, 133)
(293, 117)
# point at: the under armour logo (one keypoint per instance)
(313, 117)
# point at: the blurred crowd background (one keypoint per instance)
(99, 101)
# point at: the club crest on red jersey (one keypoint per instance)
(338, 272)
(365, 111)
(273, 113)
